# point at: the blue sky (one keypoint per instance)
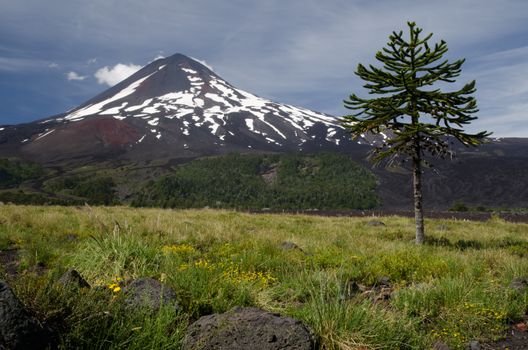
(56, 54)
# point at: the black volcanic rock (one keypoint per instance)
(73, 279)
(248, 328)
(150, 294)
(19, 329)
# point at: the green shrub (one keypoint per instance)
(325, 181)
(14, 172)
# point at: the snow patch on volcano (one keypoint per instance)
(142, 105)
(97, 108)
(46, 133)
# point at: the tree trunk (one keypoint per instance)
(418, 209)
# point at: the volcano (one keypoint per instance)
(178, 108)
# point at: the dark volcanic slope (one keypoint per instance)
(493, 175)
(174, 107)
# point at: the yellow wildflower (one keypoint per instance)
(178, 249)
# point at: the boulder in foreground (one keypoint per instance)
(248, 328)
(18, 329)
(150, 294)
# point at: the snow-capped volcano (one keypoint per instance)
(200, 98)
(176, 106)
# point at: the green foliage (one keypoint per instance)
(411, 69)
(465, 309)
(459, 206)
(14, 172)
(356, 324)
(96, 319)
(117, 255)
(96, 190)
(325, 181)
(21, 197)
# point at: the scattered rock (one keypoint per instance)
(70, 237)
(521, 326)
(440, 345)
(520, 283)
(379, 295)
(270, 176)
(381, 291)
(383, 281)
(18, 329)
(290, 246)
(375, 223)
(72, 278)
(473, 345)
(38, 269)
(515, 338)
(248, 328)
(149, 293)
(351, 288)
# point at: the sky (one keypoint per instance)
(56, 54)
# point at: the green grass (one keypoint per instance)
(454, 288)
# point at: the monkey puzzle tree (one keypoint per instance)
(420, 118)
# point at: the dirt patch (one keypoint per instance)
(10, 263)
(9, 260)
(270, 176)
(515, 339)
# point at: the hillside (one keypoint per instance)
(324, 181)
(493, 176)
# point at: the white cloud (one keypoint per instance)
(204, 63)
(502, 92)
(158, 57)
(15, 64)
(53, 65)
(92, 60)
(113, 75)
(75, 76)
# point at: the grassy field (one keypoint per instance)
(454, 289)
